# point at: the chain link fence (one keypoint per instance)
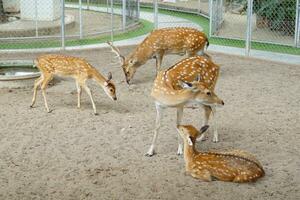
(60, 23)
(270, 25)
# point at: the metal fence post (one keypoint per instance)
(88, 4)
(210, 17)
(199, 6)
(155, 13)
(112, 20)
(36, 17)
(123, 15)
(297, 24)
(63, 34)
(138, 9)
(249, 26)
(80, 20)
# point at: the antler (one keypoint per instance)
(117, 52)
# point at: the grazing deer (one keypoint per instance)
(190, 80)
(235, 166)
(77, 68)
(161, 42)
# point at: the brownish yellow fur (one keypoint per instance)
(235, 166)
(77, 68)
(160, 42)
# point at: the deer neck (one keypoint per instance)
(142, 53)
(189, 152)
(98, 78)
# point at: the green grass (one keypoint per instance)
(145, 28)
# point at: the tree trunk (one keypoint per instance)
(2, 14)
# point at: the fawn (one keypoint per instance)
(191, 80)
(160, 42)
(235, 166)
(77, 68)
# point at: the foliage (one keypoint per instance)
(279, 14)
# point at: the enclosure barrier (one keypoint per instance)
(267, 25)
(61, 23)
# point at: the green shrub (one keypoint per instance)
(279, 14)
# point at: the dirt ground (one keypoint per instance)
(72, 154)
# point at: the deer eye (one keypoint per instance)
(208, 93)
(111, 90)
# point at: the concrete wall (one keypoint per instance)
(47, 10)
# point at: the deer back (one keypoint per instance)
(170, 40)
(228, 166)
(64, 65)
(188, 69)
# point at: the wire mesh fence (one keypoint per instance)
(269, 25)
(60, 23)
(257, 24)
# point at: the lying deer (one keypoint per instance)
(77, 68)
(191, 80)
(235, 166)
(159, 43)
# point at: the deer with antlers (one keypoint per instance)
(160, 42)
(234, 166)
(77, 68)
(191, 80)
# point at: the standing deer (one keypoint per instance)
(235, 166)
(77, 68)
(191, 80)
(161, 42)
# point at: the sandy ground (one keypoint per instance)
(72, 154)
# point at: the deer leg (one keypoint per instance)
(46, 80)
(78, 86)
(178, 122)
(216, 135)
(159, 58)
(37, 83)
(88, 91)
(207, 112)
(151, 151)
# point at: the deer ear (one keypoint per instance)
(198, 78)
(189, 140)
(203, 129)
(185, 85)
(109, 76)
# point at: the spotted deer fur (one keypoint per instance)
(235, 166)
(77, 68)
(191, 80)
(160, 42)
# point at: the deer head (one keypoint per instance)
(189, 133)
(201, 92)
(129, 65)
(109, 88)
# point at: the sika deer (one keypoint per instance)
(161, 42)
(235, 166)
(190, 80)
(74, 67)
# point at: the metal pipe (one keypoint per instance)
(63, 34)
(249, 27)
(123, 15)
(210, 17)
(155, 13)
(36, 17)
(297, 24)
(138, 9)
(112, 20)
(80, 20)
